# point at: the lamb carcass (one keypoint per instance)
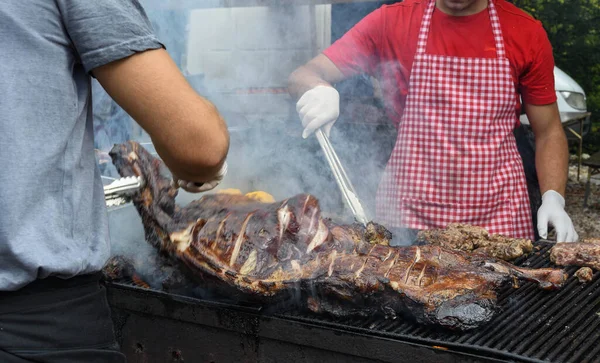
(266, 252)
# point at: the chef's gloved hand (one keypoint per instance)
(318, 107)
(553, 211)
(193, 187)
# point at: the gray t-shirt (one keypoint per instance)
(52, 214)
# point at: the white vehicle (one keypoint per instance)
(571, 102)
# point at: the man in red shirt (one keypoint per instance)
(451, 72)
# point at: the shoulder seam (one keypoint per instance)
(518, 12)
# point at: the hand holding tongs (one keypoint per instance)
(348, 192)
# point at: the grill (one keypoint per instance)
(532, 326)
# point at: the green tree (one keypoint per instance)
(572, 27)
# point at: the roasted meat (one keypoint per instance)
(585, 253)
(119, 268)
(158, 272)
(591, 240)
(273, 252)
(584, 274)
(475, 239)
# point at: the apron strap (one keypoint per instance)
(424, 32)
(496, 29)
(494, 20)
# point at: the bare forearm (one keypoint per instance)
(304, 79)
(186, 129)
(552, 160)
(552, 164)
(320, 71)
(552, 153)
(191, 164)
(195, 145)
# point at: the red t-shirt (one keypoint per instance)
(383, 45)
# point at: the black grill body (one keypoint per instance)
(533, 326)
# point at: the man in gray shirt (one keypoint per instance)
(53, 222)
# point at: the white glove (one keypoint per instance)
(318, 107)
(552, 211)
(193, 187)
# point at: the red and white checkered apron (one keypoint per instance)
(456, 159)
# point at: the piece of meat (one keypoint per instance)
(377, 234)
(584, 274)
(274, 252)
(586, 254)
(162, 274)
(120, 268)
(591, 240)
(464, 237)
(372, 233)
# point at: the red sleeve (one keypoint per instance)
(537, 82)
(356, 51)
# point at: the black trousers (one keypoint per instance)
(526, 146)
(58, 321)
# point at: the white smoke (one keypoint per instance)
(267, 151)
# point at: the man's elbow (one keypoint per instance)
(203, 164)
(218, 151)
(214, 153)
(200, 151)
(552, 132)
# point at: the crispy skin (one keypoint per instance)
(270, 252)
(585, 253)
(463, 237)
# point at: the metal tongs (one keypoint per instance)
(348, 192)
(119, 191)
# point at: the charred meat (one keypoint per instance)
(159, 272)
(463, 237)
(118, 268)
(122, 268)
(267, 252)
(585, 253)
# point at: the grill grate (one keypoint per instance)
(533, 326)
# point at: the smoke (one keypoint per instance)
(224, 58)
(127, 237)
